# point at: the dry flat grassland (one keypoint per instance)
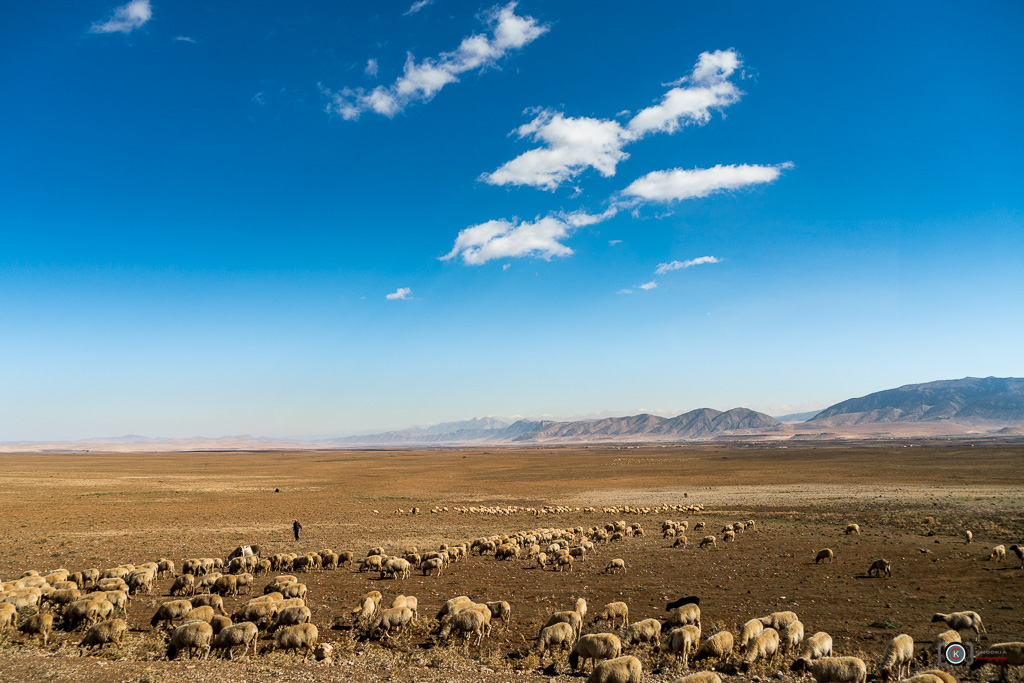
(99, 510)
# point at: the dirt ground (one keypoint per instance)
(911, 500)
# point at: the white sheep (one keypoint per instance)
(560, 635)
(779, 620)
(501, 610)
(943, 639)
(708, 541)
(192, 636)
(961, 621)
(646, 631)
(683, 642)
(616, 566)
(765, 646)
(619, 670)
(245, 634)
(852, 529)
(792, 636)
(998, 553)
(834, 669)
(595, 647)
(298, 637)
(899, 653)
(612, 612)
(824, 554)
(968, 536)
(701, 677)
(817, 646)
(750, 631)
(718, 646)
(475, 620)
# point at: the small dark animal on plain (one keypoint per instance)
(691, 600)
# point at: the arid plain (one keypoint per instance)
(912, 501)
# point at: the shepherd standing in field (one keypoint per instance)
(296, 527)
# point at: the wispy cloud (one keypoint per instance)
(647, 286)
(677, 184)
(371, 67)
(401, 293)
(185, 39)
(422, 80)
(417, 6)
(612, 243)
(125, 18)
(677, 265)
(540, 238)
(570, 146)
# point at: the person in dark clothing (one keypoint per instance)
(296, 527)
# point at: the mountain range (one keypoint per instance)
(989, 406)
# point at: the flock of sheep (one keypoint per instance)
(197, 623)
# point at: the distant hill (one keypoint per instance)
(696, 424)
(971, 400)
(796, 417)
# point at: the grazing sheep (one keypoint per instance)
(502, 611)
(570, 617)
(39, 625)
(925, 678)
(1018, 550)
(298, 637)
(201, 613)
(792, 636)
(852, 529)
(111, 631)
(765, 646)
(943, 639)
(193, 637)
(749, 633)
(429, 566)
(998, 553)
(834, 669)
(683, 642)
(779, 620)
(560, 635)
(219, 623)
(619, 670)
(616, 566)
(612, 612)
(294, 590)
(392, 618)
(581, 607)
(729, 536)
(8, 614)
(409, 602)
(184, 585)
(87, 611)
(701, 677)
(824, 554)
(1012, 653)
(595, 647)
(468, 622)
(214, 601)
(562, 562)
(363, 614)
(260, 613)
(680, 542)
(225, 585)
(684, 615)
(451, 606)
(817, 646)
(708, 541)
(290, 616)
(899, 653)
(961, 621)
(245, 634)
(880, 568)
(968, 536)
(646, 631)
(62, 597)
(169, 611)
(718, 646)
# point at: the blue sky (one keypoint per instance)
(204, 208)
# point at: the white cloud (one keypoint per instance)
(647, 286)
(185, 39)
(625, 291)
(422, 80)
(676, 265)
(400, 293)
(569, 146)
(126, 18)
(541, 237)
(417, 6)
(612, 243)
(371, 67)
(678, 183)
